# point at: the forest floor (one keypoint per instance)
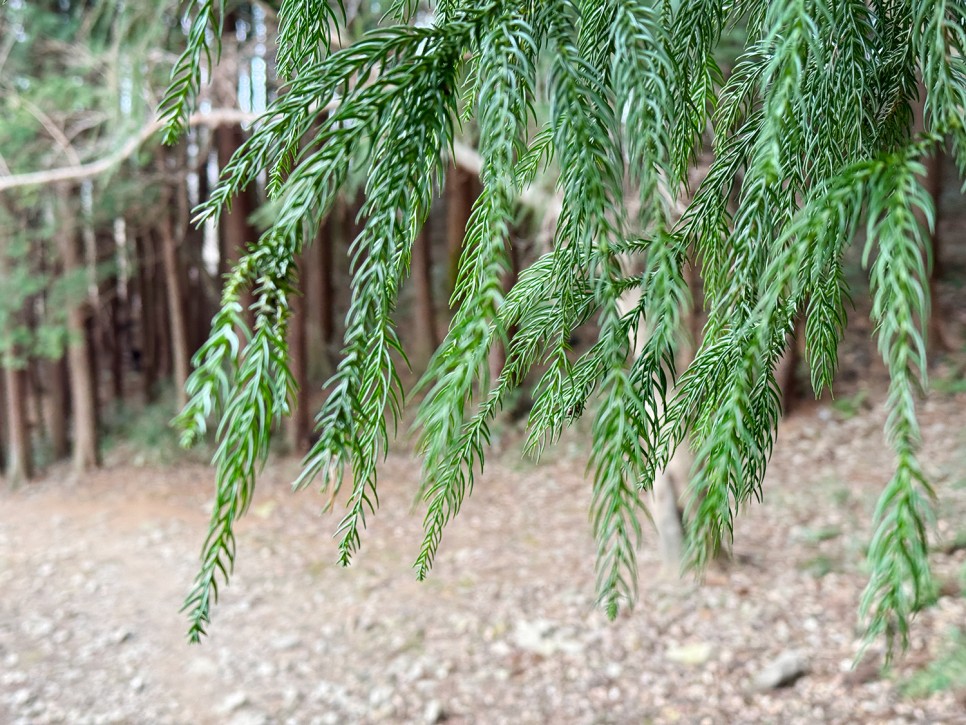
(93, 572)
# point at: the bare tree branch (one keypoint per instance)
(464, 157)
(211, 119)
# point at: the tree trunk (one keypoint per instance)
(425, 312)
(146, 358)
(236, 232)
(162, 326)
(665, 493)
(57, 406)
(176, 319)
(460, 195)
(936, 332)
(498, 349)
(787, 368)
(297, 424)
(318, 303)
(117, 345)
(83, 401)
(19, 459)
(933, 181)
(4, 436)
(93, 366)
(201, 286)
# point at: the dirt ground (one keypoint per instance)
(93, 572)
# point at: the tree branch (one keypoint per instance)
(464, 157)
(211, 119)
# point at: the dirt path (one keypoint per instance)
(93, 573)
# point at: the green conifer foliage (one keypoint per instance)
(812, 133)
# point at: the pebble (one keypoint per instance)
(694, 653)
(433, 713)
(231, 703)
(782, 671)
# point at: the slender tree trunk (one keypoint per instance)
(422, 271)
(460, 195)
(19, 459)
(57, 406)
(332, 233)
(83, 400)
(162, 326)
(93, 363)
(176, 319)
(117, 345)
(310, 281)
(202, 288)
(936, 333)
(319, 302)
(787, 369)
(36, 393)
(497, 357)
(147, 357)
(103, 341)
(236, 232)
(668, 484)
(4, 436)
(933, 181)
(297, 424)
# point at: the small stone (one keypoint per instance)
(234, 701)
(542, 637)
(122, 636)
(22, 697)
(433, 713)
(613, 670)
(137, 684)
(248, 717)
(380, 696)
(782, 671)
(290, 697)
(693, 653)
(287, 643)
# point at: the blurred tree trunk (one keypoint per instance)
(107, 341)
(202, 289)
(19, 466)
(933, 181)
(936, 332)
(175, 298)
(83, 394)
(786, 371)
(425, 313)
(318, 302)
(297, 424)
(56, 406)
(460, 194)
(498, 349)
(147, 358)
(116, 337)
(4, 436)
(19, 459)
(91, 330)
(236, 232)
(670, 482)
(162, 326)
